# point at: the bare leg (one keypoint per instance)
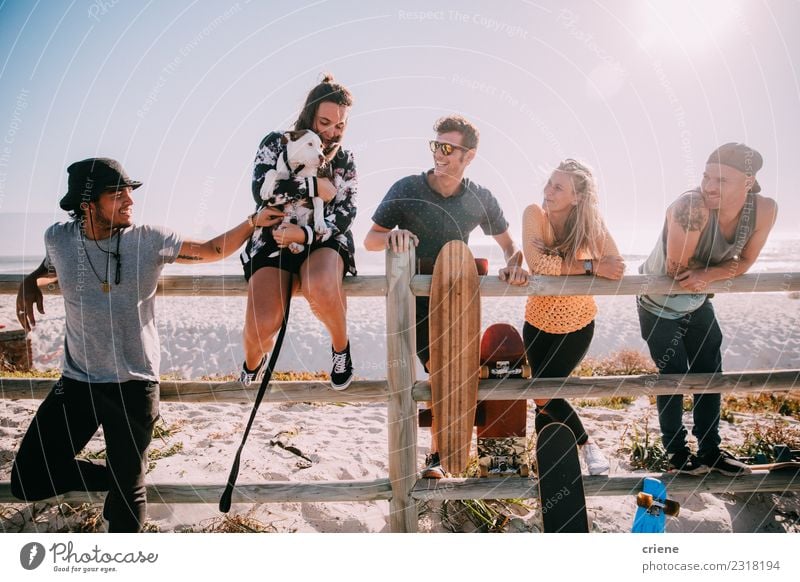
(266, 302)
(321, 282)
(434, 429)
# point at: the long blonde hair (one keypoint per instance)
(584, 228)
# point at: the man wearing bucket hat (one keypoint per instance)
(107, 269)
(711, 234)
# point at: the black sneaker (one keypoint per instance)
(685, 463)
(342, 372)
(725, 463)
(433, 468)
(247, 377)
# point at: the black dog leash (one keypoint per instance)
(225, 500)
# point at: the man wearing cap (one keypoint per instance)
(711, 234)
(107, 269)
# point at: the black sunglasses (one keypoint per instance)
(447, 148)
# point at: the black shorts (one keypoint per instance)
(290, 262)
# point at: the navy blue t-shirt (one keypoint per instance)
(411, 204)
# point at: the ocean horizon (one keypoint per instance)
(780, 254)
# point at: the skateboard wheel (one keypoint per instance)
(484, 464)
(484, 373)
(672, 508)
(524, 471)
(526, 371)
(644, 500)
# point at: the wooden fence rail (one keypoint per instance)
(378, 390)
(401, 392)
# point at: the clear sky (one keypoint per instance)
(182, 92)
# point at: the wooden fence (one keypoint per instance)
(401, 392)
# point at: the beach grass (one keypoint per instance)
(235, 523)
(643, 447)
(621, 363)
(785, 404)
(761, 438)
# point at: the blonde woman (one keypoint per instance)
(566, 236)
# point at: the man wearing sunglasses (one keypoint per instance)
(435, 207)
(107, 268)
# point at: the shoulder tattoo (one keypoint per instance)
(690, 213)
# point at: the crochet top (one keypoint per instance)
(551, 314)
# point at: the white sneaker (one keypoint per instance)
(596, 463)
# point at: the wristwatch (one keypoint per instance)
(588, 266)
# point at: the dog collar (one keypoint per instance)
(286, 161)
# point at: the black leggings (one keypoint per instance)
(46, 466)
(555, 355)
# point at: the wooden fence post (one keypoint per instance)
(400, 374)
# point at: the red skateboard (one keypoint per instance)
(502, 445)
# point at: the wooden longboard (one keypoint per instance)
(455, 320)
(785, 466)
(560, 481)
(501, 432)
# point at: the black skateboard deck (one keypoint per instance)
(560, 481)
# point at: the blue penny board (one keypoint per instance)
(648, 520)
(560, 481)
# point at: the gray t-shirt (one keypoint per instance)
(110, 337)
(712, 249)
(411, 204)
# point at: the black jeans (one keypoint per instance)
(423, 331)
(690, 344)
(555, 355)
(71, 413)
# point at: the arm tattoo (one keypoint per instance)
(674, 268)
(218, 249)
(689, 214)
(190, 258)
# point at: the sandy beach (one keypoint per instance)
(340, 442)
(349, 441)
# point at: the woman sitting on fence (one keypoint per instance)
(320, 267)
(566, 236)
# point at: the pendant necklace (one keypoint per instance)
(104, 283)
